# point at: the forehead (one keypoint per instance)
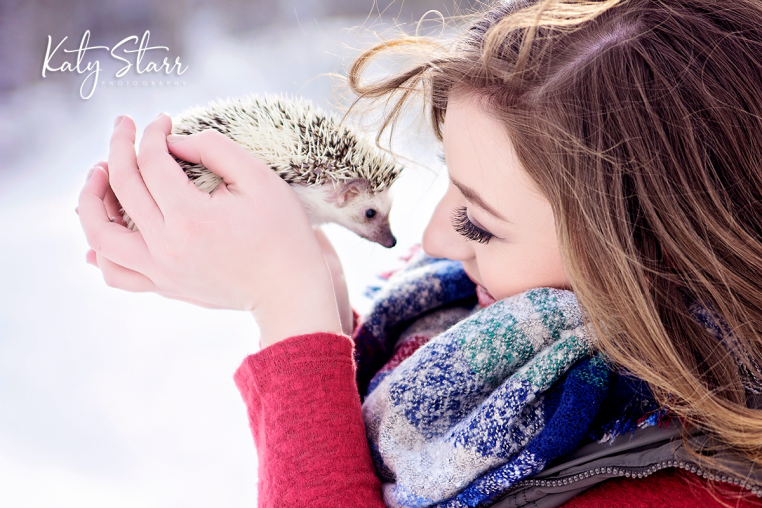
(481, 156)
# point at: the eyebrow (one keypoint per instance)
(473, 197)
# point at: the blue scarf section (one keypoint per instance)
(489, 401)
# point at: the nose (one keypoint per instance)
(440, 240)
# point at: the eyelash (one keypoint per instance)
(463, 225)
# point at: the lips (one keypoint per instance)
(484, 296)
(485, 299)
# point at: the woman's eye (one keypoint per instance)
(463, 225)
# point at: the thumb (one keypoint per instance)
(221, 155)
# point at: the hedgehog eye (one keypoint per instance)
(370, 213)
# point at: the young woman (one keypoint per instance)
(606, 152)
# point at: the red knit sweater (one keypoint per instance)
(304, 412)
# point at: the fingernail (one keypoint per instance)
(92, 170)
(176, 138)
(118, 119)
(76, 210)
(162, 113)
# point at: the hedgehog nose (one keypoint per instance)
(390, 242)
(383, 236)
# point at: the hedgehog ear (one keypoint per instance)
(348, 190)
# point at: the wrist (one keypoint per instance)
(310, 308)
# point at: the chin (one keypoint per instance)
(479, 285)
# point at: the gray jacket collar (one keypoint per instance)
(633, 455)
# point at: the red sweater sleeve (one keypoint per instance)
(305, 415)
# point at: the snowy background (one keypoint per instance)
(115, 399)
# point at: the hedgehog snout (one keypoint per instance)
(381, 233)
(392, 242)
(387, 240)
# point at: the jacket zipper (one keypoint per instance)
(641, 473)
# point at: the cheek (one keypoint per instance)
(514, 269)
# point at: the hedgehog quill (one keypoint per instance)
(338, 173)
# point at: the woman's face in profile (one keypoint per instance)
(493, 218)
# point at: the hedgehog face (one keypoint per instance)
(367, 215)
(350, 204)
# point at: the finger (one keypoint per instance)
(113, 207)
(119, 277)
(165, 179)
(91, 258)
(221, 155)
(125, 179)
(116, 242)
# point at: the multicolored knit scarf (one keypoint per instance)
(461, 402)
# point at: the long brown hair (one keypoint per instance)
(641, 122)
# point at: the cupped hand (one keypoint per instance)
(249, 245)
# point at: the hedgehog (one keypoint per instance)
(340, 175)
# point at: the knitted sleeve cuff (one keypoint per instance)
(296, 356)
